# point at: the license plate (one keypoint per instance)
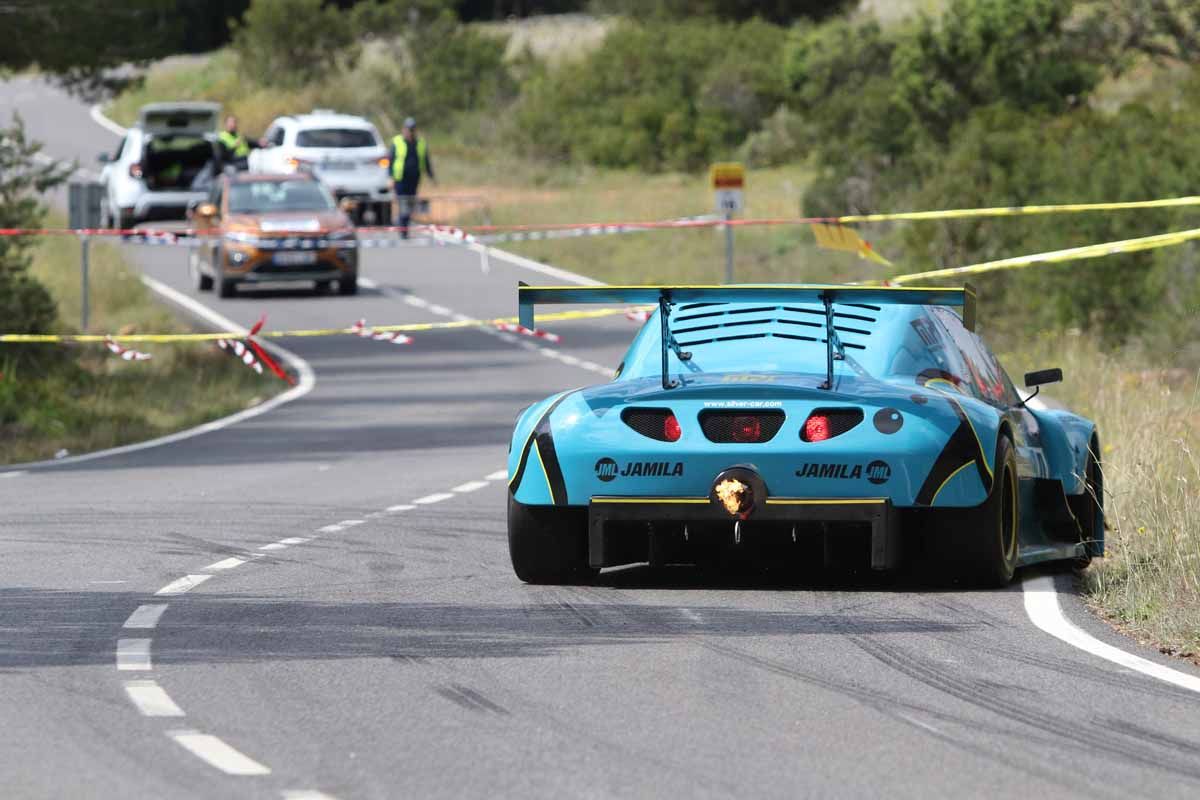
(337, 165)
(295, 259)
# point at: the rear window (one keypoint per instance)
(335, 137)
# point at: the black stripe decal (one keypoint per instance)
(962, 447)
(515, 483)
(545, 445)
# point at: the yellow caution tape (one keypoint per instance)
(1020, 211)
(839, 237)
(1059, 256)
(30, 338)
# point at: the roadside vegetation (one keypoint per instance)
(79, 398)
(853, 108)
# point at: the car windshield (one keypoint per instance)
(335, 137)
(258, 197)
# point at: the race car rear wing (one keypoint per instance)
(822, 294)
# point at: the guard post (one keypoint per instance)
(728, 183)
(83, 207)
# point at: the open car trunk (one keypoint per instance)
(177, 163)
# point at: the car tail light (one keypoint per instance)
(654, 423)
(826, 423)
(816, 428)
(135, 170)
(298, 163)
(740, 427)
(383, 162)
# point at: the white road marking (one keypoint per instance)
(104, 122)
(469, 486)
(433, 498)
(306, 794)
(691, 615)
(1041, 604)
(273, 546)
(330, 529)
(535, 266)
(184, 584)
(400, 507)
(413, 300)
(349, 523)
(151, 700)
(216, 753)
(441, 311)
(228, 563)
(16, 473)
(145, 616)
(133, 655)
(295, 540)
(920, 724)
(498, 475)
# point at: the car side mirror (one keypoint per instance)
(206, 210)
(348, 204)
(1043, 376)
(103, 158)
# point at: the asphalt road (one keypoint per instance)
(353, 628)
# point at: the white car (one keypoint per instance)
(163, 165)
(345, 153)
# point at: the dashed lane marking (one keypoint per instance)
(133, 655)
(184, 584)
(349, 523)
(469, 486)
(330, 529)
(217, 753)
(14, 474)
(151, 700)
(401, 507)
(498, 475)
(293, 540)
(145, 616)
(433, 498)
(228, 563)
(274, 546)
(306, 794)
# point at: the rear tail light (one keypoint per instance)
(383, 162)
(135, 170)
(298, 164)
(740, 427)
(654, 423)
(826, 423)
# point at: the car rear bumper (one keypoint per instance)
(152, 206)
(606, 515)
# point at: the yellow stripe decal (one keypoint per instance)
(856, 501)
(948, 477)
(668, 500)
(537, 451)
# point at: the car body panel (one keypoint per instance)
(908, 364)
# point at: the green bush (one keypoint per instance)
(290, 43)
(657, 96)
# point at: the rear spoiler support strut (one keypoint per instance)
(664, 316)
(833, 343)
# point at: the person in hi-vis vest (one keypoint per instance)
(409, 157)
(234, 148)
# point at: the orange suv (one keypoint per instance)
(260, 228)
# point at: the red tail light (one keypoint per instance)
(817, 428)
(671, 429)
(746, 429)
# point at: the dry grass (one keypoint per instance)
(92, 400)
(1149, 422)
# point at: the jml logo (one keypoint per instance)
(606, 469)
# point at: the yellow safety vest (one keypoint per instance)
(401, 145)
(234, 142)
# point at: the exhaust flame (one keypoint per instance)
(734, 495)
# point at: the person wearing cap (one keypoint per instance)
(409, 157)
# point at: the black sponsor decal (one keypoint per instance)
(878, 472)
(838, 471)
(606, 469)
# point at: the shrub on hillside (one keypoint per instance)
(657, 96)
(289, 43)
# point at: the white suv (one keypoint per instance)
(345, 153)
(163, 166)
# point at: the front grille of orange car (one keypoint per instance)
(741, 427)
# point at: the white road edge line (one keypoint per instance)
(469, 486)
(498, 475)
(400, 507)
(182, 585)
(104, 122)
(133, 655)
(14, 474)
(437, 497)
(228, 563)
(329, 529)
(146, 616)
(216, 753)
(306, 794)
(151, 700)
(1041, 604)
(295, 540)
(350, 523)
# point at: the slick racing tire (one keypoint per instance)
(979, 545)
(548, 544)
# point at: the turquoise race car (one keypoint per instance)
(800, 424)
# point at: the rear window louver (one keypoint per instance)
(715, 322)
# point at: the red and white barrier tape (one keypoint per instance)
(509, 327)
(638, 315)
(360, 329)
(242, 352)
(125, 352)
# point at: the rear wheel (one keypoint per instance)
(980, 545)
(548, 544)
(348, 285)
